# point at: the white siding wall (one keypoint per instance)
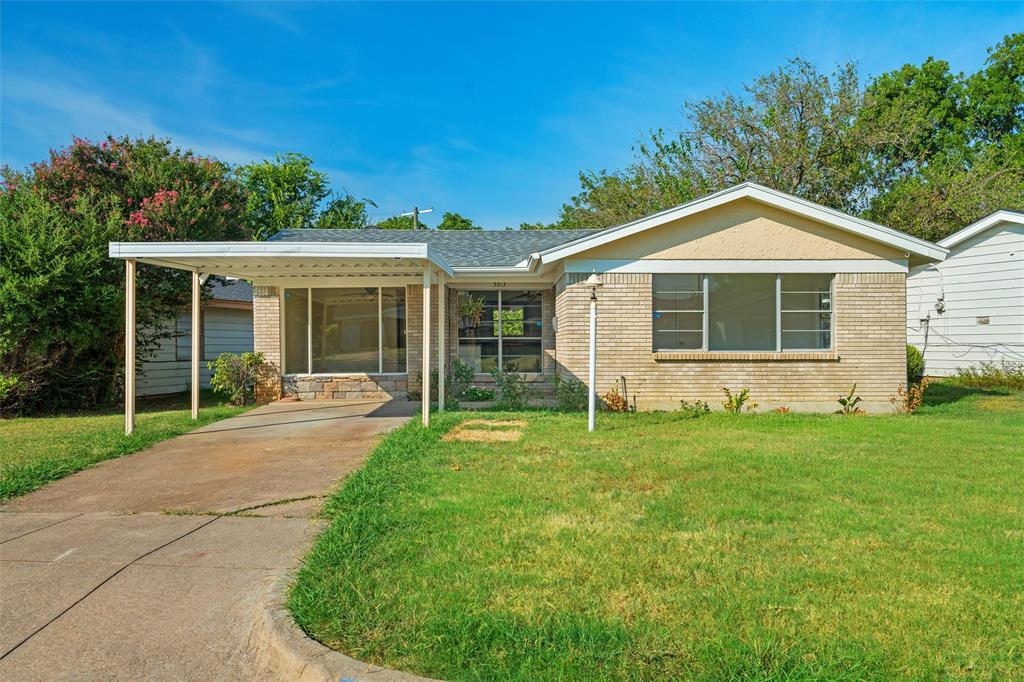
(983, 277)
(227, 330)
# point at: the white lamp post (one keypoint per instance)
(593, 282)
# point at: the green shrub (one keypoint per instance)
(991, 375)
(915, 364)
(475, 394)
(236, 375)
(514, 393)
(734, 402)
(570, 394)
(697, 408)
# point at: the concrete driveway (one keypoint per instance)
(130, 570)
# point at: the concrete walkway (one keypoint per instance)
(128, 570)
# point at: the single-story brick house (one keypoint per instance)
(748, 287)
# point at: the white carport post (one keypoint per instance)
(196, 330)
(440, 342)
(129, 346)
(425, 381)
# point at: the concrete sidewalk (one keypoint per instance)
(97, 583)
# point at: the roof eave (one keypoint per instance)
(980, 226)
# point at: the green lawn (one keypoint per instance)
(37, 450)
(746, 547)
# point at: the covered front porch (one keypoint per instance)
(358, 292)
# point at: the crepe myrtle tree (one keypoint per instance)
(61, 296)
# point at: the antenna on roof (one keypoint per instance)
(415, 213)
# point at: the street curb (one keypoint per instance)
(289, 654)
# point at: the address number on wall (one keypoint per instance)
(498, 285)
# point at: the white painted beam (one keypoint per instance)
(129, 346)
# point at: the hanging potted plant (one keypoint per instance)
(471, 309)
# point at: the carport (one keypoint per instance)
(286, 264)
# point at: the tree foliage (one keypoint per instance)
(62, 296)
(454, 221)
(399, 222)
(921, 148)
(283, 193)
(345, 212)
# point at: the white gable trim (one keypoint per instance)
(657, 266)
(980, 226)
(749, 190)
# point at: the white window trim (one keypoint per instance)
(705, 282)
(309, 336)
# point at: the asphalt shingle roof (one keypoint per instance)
(231, 290)
(459, 248)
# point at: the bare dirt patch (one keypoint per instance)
(486, 431)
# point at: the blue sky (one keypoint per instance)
(490, 110)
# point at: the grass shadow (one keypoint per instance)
(944, 393)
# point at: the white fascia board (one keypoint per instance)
(980, 226)
(658, 266)
(181, 251)
(749, 190)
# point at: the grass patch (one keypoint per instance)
(730, 547)
(38, 450)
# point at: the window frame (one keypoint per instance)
(309, 333)
(499, 336)
(705, 316)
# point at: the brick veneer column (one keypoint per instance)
(266, 312)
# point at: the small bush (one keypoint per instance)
(782, 410)
(734, 403)
(848, 404)
(991, 375)
(514, 393)
(236, 375)
(475, 394)
(571, 394)
(915, 364)
(907, 400)
(697, 408)
(613, 401)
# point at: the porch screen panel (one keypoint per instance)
(478, 334)
(521, 330)
(346, 331)
(392, 310)
(296, 326)
(741, 312)
(806, 312)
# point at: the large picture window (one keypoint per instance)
(500, 328)
(742, 312)
(341, 331)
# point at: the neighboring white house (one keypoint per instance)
(226, 328)
(969, 308)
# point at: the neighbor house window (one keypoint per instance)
(500, 328)
(742, 312)
(344, 330)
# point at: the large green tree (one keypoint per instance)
(944, 149)
(61, 296)
(285, 192)
(921, 148)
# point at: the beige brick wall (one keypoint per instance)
(870, 340)
(266, 311)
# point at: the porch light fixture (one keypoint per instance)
(593, 282)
